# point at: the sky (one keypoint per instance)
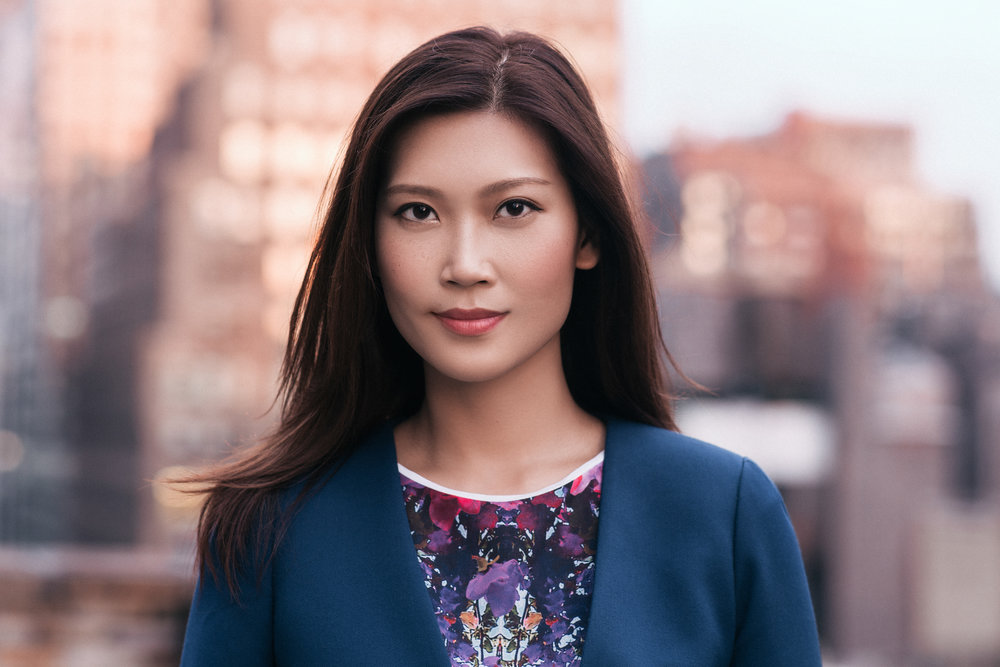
(723, 68)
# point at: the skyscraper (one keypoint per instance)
(85, 86)
(32, 475)
(187, 263)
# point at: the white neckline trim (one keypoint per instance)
(501, 498)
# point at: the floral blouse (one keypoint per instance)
(510, 578)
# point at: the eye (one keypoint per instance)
(416, 212)
(516, 208)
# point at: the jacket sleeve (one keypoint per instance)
(775, 624)
(222, 630)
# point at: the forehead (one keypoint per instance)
(467, 146)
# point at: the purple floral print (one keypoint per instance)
(510, 581)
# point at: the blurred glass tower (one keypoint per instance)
(83, 87)
(33, 463)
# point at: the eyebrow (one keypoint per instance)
(492, 188)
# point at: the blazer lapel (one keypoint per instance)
(619, 591)
(402, 585)
(663, 583)
(381, 601)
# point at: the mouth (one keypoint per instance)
(469, 322)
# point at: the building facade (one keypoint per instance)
(810, 270)
(34, 469)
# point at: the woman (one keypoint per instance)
(473, 387)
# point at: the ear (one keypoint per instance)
(587, 253)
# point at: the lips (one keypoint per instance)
(469, 322)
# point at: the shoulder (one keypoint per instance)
(653, 471)
(649, 452)
(707, 526)
(355, 489)
(374, 454)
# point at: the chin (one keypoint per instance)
(487, 364)
(477, 369)
(470, 376)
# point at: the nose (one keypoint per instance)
(469, 257)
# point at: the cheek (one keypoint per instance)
(547, 267)
(396, 290)
(394, 265)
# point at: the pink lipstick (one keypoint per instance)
(469, 322)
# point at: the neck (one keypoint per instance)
(512, 434)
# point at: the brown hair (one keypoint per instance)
(346, 369)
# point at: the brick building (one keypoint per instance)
(810, 269)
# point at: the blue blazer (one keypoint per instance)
(696, 564)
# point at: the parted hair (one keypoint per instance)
(346, 369)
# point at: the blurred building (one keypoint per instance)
(106, 76)
(33, 459)
(174, 154)
(150, 365)
(180, 152)
(257, 133)
(836, 306)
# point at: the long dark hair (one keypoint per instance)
(346, 369)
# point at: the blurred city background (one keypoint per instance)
(160, 166)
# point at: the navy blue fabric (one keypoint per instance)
(696, 564)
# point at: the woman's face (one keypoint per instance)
(477, 246)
